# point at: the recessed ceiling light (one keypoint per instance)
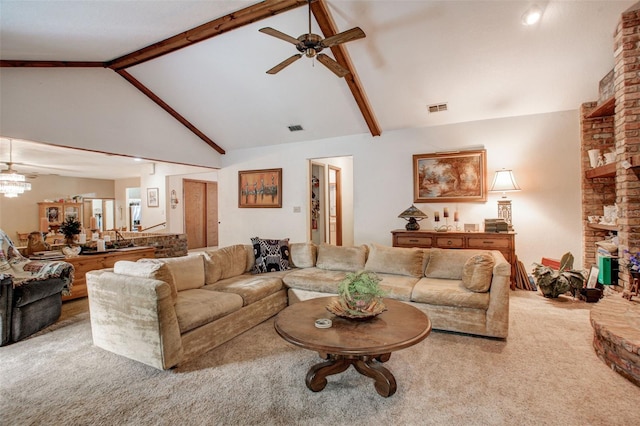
(532, 15)
(137, 159)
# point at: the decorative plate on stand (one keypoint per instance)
(338, 308)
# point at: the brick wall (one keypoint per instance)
(627, 132)
(166, 245)
(621, 131)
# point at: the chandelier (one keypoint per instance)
(12, 183)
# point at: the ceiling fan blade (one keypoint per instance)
(284, 63)
(335, 67)
(343, 37)
(277, 34)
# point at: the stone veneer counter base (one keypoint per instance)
(616, 335)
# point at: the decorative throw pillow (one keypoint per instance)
(270, 255)
(477, 273)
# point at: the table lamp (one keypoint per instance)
(504, 182)
(412, 215)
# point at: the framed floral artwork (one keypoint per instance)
(450, 177)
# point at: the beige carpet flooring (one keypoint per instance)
(546, 373)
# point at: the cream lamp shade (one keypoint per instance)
(504, 181)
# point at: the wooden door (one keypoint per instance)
(201, 213)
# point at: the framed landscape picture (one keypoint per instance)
(450, 177)
(260, 188)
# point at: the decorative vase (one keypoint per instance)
(594, 156)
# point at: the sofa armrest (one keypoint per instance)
(134, 317)
(498, 310)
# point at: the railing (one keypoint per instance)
(151, 227)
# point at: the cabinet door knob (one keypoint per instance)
(449, 242)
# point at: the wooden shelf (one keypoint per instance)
(601, 227)
(608, 170)
(605, 109)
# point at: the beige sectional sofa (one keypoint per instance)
(165, 311)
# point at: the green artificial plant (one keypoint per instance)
(553, 283)
(359, 289)
(70, 228)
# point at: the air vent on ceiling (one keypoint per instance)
(295, 128)
(437, 107)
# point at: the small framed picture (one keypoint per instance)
(592, 279)
(152, 197)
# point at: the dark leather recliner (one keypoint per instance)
(28, 308)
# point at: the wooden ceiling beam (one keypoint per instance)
(5, 63)
(162, 104)
(206, 31)
(329, 28)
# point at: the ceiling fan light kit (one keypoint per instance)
(312, 44)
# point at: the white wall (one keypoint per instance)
(90, 108)
(543, 151)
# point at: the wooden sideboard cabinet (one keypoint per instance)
(91, 262)
(503, 242)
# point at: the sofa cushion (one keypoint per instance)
(448, 263)
(395, 260)
(303, 255)
(446, 292)
(148, 268)
(250, 287)
(226, 262)
(477, 272)
(397, 287)
(197, 307)
(314, 279)
(338, 258)
(187, 271)
(271, 255)
(251, 259)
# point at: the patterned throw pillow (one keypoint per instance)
(271, 255)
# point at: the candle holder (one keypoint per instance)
(443, 228)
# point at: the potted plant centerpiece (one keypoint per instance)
(359, 296)
(70, 228)
(553, 283)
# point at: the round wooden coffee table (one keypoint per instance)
(365, 344)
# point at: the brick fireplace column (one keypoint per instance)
(627, 134)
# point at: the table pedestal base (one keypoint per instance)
(367, 365)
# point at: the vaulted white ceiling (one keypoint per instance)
(474, 55)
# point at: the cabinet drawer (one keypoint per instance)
(404, 240)
(487, 243)
(445, 242)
